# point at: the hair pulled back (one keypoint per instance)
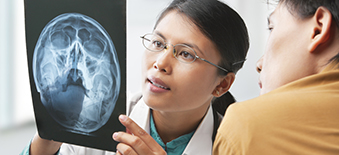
(221, 24)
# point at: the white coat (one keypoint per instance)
(200, 143)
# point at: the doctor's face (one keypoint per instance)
(170, 85)
(286, 55)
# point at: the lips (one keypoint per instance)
(158, 83)
(260, 84)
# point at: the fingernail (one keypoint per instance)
(115, 135)
(123, 118)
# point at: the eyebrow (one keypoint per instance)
(269, 17)
(158, 33)
(193, 46)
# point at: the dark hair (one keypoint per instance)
(221, 103)
(221, 24)
(307, 8)
(224, 27)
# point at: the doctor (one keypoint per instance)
(191, 57)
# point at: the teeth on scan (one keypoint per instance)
(76, 71)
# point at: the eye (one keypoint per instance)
(157, 44)
(270, 28)
(186, 55)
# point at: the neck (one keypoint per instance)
(328, 50)
(171, 125)
(326, 55)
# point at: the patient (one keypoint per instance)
(297, 112)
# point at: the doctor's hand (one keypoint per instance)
(41, 146)
(135, 141)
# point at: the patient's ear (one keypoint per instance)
(224, 85)
(321, 28)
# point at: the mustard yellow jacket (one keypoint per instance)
(300, 118)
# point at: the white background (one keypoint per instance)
(16, 112)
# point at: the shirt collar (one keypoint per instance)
(176, 146)
(201, 141)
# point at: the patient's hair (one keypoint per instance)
(307, 8)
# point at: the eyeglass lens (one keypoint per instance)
(182, 52)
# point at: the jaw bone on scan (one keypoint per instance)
(76, 71)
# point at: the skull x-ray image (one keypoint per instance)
(76, 71)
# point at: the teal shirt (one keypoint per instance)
(26, 149)
(174, 147)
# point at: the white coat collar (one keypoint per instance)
(140, 114)
(201, 142)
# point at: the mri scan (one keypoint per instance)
(76, 71)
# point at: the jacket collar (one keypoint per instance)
(201, 141)
(140, 114)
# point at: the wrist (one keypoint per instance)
(41, 146)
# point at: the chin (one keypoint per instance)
(263, 91)
(150, 101)
(155, 103)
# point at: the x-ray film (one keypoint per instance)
(76, 58)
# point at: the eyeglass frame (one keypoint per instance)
(166, 46)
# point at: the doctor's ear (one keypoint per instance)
(224, 85)
(321, 28)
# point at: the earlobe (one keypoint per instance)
(224, 85)
(321, 29)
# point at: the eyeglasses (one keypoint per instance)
(181, 52)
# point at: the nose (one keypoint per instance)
(259, 64)
(164, 60)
